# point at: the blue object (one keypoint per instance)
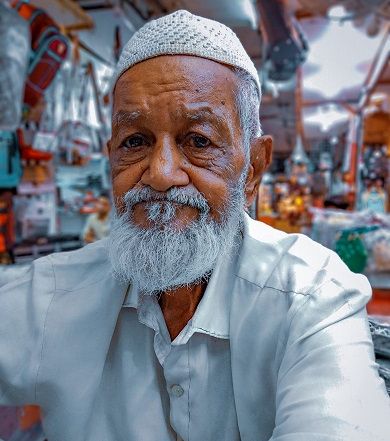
(10, 167)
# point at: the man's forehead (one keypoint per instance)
(195, 88)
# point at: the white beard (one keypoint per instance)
(161, 257)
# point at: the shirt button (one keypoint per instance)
(177, 390)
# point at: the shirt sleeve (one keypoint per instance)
(328, 386)
(24, 302)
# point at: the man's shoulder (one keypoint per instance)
(79, 268)
(290, 263)
(290, 277)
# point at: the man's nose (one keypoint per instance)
(165, 166)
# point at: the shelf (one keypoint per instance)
(379, 280)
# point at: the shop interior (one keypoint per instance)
(325, 72)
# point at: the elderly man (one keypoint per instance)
(191, 321)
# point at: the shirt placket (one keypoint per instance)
(175, 362)
(178, 381)
(148, 314)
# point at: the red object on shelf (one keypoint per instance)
(30, 416)
(49, 50)
(7, 237)
(380, 302)
(28, 153)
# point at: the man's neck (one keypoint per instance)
(179, 305)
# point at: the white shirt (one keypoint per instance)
(278, 350)
(202, 346)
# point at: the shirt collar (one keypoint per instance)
(212, 314)
(131, 297)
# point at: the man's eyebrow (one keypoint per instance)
(204, 114)
(125, 117)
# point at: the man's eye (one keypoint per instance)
(134, 141)
(199, 141)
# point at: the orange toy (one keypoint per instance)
(30, 416)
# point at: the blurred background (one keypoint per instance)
(325, 71)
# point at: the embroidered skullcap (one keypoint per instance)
(182, 33)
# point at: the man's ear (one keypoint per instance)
(260, 159)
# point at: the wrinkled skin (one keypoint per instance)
(175, 123)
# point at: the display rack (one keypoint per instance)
(28, 250)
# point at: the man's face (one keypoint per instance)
(178, 163)
(175, 124)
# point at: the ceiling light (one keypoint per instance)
(327, 116)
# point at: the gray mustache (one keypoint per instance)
(183, 196)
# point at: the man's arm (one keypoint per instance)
(328, 385)
(24, 303)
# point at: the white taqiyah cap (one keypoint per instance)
(182, 33)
